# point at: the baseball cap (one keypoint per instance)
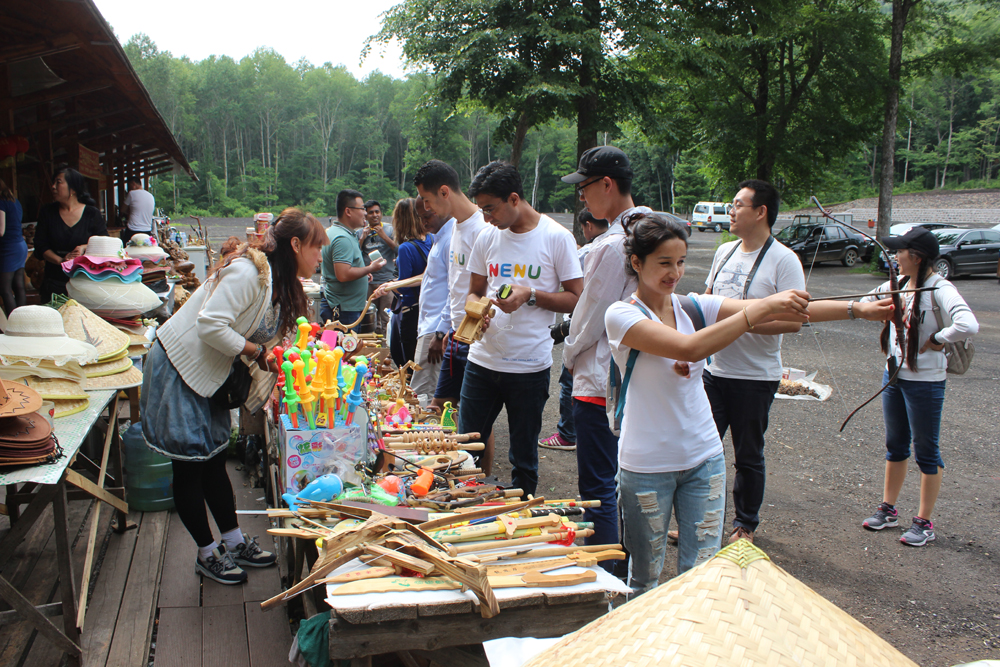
(918, 238)
(600, 161)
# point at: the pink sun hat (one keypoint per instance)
(97, 271)
(102, 251)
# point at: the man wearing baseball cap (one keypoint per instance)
(603, 180)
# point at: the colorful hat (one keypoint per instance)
(17, 399)
(113, 298)
(104, 249)
(145, 248)
(36, 333)
(83, 324)
(125, 267)
(132, 274)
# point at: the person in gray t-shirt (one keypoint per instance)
(376, 235)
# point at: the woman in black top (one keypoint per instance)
(64, 226)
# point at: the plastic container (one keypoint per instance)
(149, 477)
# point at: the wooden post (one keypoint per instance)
(67, 583)
(9, 174)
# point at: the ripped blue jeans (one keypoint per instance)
(697, 496)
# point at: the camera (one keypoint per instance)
(559, 331)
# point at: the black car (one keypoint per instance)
(686, 224)
(967, 251)
(826, 242)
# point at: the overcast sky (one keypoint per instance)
(319, 30)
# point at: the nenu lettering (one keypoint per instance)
(515, 271)
(459, 258)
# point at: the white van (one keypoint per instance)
(712, 215)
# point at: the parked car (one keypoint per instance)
(903, 227)
(712, 215)
(679, 220)
(826, 242)
(967, 251)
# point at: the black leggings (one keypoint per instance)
(12, 290)
(200, 482)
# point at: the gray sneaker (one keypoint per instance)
(220, 567)
(885, 517)
(250, 554)
(920, 533)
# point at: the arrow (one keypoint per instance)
(875, 294)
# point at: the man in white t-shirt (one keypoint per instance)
(138, 206)
(509, 367)
(437, 183)
(741, 379)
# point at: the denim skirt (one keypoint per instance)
(176, 421)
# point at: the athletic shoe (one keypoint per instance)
(920, 533)
(556, 441)
(250, 554)
(741, 533)
(673, 536)
(885, 516)
(220, 567)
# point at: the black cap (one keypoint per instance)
(600, 161)
(919, 239)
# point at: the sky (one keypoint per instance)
(319, 30)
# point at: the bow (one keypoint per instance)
(897, 313)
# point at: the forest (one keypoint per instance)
(699, 96)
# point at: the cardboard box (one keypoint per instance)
(308, 453)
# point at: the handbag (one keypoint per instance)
(234, 391)
(960, 354)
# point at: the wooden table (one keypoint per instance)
(36, 487)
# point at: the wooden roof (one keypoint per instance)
(100, 102)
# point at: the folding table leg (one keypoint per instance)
(67, 583)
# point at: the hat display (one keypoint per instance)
(102, 269)
(130, 377)
(113, 297)
(920, 239)
(144, 247)
(53, 388)
(130, 275)
(600, 161)
(25, 440)
(109, 367)
(37, 333)
(19, 368)
(738, 608)
(64, 407)
(104, 249)
(137, 350)
(17, 399)
(82, 324)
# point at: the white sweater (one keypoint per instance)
(210, 329)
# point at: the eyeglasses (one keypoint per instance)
(583, 186)
(488, 210)
(736, 205)
(357, 208)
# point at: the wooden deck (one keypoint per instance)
(147, 604)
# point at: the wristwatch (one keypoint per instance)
(934, 339)
(531, 299)
(440, 335)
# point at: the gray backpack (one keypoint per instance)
(959, 354)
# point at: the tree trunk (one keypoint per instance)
(887, 177)
(951, 132)
(225, 160)
(520, 132)
(538, 167)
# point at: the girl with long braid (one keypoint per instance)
(912, 406)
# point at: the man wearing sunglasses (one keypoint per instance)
(603, 180)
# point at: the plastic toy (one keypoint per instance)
(291, 400)
(354, 398)
(324, 488)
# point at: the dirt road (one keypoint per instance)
(940, 604)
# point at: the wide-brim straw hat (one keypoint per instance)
(110, 367)
(738, 608)
(21, 368)
(17, 399)
(64, 407)
(129, 276)
(50, 389)
(84, 325)
(36, 333)
(131, 377)
(113, 298)
(145, 248)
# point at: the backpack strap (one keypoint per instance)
(629, 365)
(693, 310)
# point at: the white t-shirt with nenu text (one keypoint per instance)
(543, 258)
(668, 424)
(463, 237)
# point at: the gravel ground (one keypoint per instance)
(940, 605)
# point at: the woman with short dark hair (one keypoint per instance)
(13, 251)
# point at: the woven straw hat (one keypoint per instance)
(132, 377)
(109, 367)
(37, 332)
(105, 249)
(84, 325)
(144, 247)
(17, 399)
(22, 367)
(50, 389)
(69, 406)
(738, 608)
(113, 298)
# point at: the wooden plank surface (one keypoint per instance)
(179, 638)
(130, 644)
(180, 584)
(269, 636)
(214, 594)
(227, 629)
(109, 588)
(263, 582)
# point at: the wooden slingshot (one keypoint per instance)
(386, 287)
(470, 330)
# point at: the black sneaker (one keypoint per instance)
(220, 567)
(885, 516)
(250, 554)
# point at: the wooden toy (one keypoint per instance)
(470, 330)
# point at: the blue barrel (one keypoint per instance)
(149, 476)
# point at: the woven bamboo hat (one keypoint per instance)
(738, 608)
(130, 377)
(64, 407)
(22, 367)
(82, 324)
(50, 388)
(109, 367)
(37, 332)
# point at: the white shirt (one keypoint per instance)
(140, 210)
(542, 258)
(959, 324)
(586, 349)
(434, 286)
(668, 424)
(752, 356)
(463, 237)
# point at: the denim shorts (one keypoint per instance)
(456, 355)
(912, 413)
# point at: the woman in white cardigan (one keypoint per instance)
(249, 301)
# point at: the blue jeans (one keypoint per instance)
(566, 427)
(449, 381)
(698, 498)
(327, 313)
(485, 393)
(912, 410)
(597, 463)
